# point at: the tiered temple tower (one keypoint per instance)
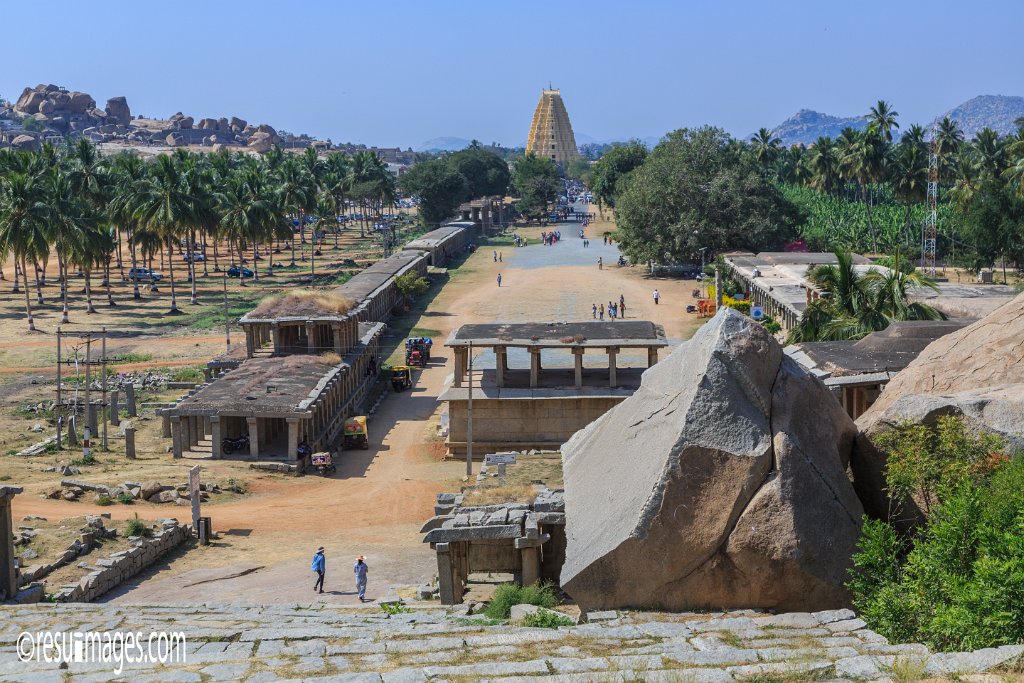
(551, 133)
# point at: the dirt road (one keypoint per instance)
(377, 501)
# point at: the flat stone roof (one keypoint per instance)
(261, 387)
(363, 284)
(627, 333)
(435, 237)
(782, 275)
(887, 351)
(965, 300)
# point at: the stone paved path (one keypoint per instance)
(316, 643)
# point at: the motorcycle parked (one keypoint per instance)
(231, 445)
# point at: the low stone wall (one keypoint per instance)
(82, 545)
(127, 563)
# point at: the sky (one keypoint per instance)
(397, 73)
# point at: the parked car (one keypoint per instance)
(195, 257)
(235, 271)
(142, 275)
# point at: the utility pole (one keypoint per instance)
(227, 322)
(469, 418)
(103, 384)
(58, 410)
(87, 432)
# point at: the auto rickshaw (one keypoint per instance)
(400, 378)
(355, 434)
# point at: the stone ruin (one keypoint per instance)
(62, 112)
(526, 540)
(720, 483)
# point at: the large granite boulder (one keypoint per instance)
(80, 102)
(720, 483)
(25, 142)
(261, 142)
(976, 373)
(117, 111)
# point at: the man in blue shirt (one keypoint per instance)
(360, 571)
(320, 567)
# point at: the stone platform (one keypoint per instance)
(304, 642)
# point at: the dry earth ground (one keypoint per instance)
(378, 499)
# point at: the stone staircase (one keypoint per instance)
(425, 643)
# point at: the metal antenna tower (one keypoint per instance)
(931, 233)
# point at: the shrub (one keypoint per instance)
(547, 619)
(126, 498)
(391, 608)
(957, 582)
(104, 500)
(509, 594)
(412, 285)
(135, 527)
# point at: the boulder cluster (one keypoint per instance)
(58, 112)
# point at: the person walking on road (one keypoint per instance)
(656, 295)
(320, 567)
(495, 256)
(622, 306)
(593, 311)
(361, 570)
(600, 312)
(600, 263)
(499, 279)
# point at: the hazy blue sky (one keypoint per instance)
(398, 73)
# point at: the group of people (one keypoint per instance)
(615, 310)
(518, 241)
(549, 238)
(360, 569)
(497, 256)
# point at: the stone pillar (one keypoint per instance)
(129, 399)
(500, 365)
(293, 437)
(91, 419)
(461, 353)
(445, 575)
(8, 575)
(534, 368)
(186, 433)
(613, 379)
(176, 435)
(339, 343)
(254, 436)
(250, 342)
(166, 424)
(310, 338)
(578, 358)
(275, 332)
(115, 418)
(531, 565)
(215, 436)
(652, 356)
(129, 442)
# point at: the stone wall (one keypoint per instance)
(125, 564)
(509, 424)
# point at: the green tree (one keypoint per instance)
(765, 146)
(882, 118)
(614, 165)
(440, 188)
(697, 190)
(485, 172)
(537, 183)
(23, 225)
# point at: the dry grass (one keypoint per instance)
(303, 302)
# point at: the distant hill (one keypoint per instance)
(444, 144)
(992, 111)
(806, 126)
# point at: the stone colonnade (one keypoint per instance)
(785, 315)
(289, 336)
(501, 363)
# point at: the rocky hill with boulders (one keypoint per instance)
(51, 112)
(806, 126)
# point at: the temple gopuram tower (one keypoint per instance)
(551, 133)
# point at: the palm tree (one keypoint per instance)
(297, 191)
(824, 166)
(909, 177)
(23, 214)
(128, 171)
(882, 118)
(991, 153)
(854, 304)
(765, 146)
(162, 203)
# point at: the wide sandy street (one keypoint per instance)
(379, 498)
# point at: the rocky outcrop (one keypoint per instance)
(118, 112)
(711, 487)
(976, 373)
